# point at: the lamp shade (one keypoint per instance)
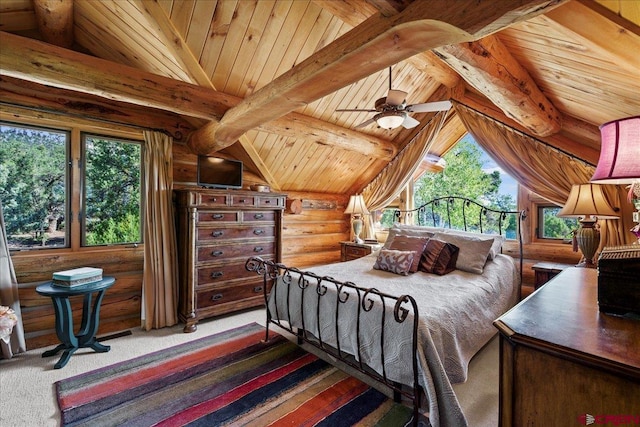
(585, 200)
(619, 161)
(356, 206)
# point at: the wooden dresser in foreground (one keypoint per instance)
(217, 231)
(562, 362)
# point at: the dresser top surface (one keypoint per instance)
(563, 314)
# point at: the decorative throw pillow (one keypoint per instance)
(473, 254)
(408, 243)
(398, 262)
(496, 247)
(439, 257)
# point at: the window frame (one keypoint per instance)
(538, 208)
(74, 177)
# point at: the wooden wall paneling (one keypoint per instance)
(247, 48)
(211, 53)
(268, 39)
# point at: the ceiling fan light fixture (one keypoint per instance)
(390, 119)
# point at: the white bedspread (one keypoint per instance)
(456, 319)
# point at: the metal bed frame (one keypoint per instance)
(404, 306)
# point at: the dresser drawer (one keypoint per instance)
(229, 294)
(250, 216)
(208, 235)
(202, 199)
(270, 202)
(222, 216)
(243, 200)
(221, 252)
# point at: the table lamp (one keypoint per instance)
(356, 208)
(619, 161)
(588, 203)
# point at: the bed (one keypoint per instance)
(414, 332)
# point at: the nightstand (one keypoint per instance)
(352, 250)
(545, 271)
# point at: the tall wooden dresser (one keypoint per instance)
(217, 231)
(565, 363)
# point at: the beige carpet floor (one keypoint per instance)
(27, 395)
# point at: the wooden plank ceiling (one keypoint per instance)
(271, 74)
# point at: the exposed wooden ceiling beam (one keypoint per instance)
(55, 21)
(38, 62)
(487, 65)
(421, 26)
(354, 12)
(300, 126)
(46, 64)
(40, 98)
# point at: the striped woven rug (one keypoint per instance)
(227, 379)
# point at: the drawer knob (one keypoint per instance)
(216, 297)
(257, 289)
(267, 201)
(218, 216)
(243, 201)
(258, 216)
(258, 231)
(214, 199)
(216, 274)
(216, 253)
(217, 233)
(258, 249)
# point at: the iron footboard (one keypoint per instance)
(333, 291)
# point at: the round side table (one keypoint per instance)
(86, 336)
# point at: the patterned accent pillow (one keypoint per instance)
(398, 262)
(410, 243)
(439, 257)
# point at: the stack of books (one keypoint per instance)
(77, 276)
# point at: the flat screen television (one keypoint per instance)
(215, 172)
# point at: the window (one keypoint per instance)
(54, 199)
(550, 226)
(112, 211)
(33, 186)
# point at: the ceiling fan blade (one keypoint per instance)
(429, 106)
(367, 123)
(410, 122)
(353, 110)
(396, 97)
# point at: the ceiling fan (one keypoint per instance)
(392, 110)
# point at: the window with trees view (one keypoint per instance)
(466, 175)
(550, 226)
(41, 203)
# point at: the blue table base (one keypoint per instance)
(86, 336)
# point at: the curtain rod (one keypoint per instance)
(177, 136)
(514, 130)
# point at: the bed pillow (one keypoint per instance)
(407, 230)
(474, 252)
(398, 262)
(498, 240)
(409, 243)
(439, 257)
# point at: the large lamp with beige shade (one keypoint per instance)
(356, 208)
(588, 203)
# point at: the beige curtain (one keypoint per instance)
(545, 170)
(386, 186)
(9, 296)
(160, 277)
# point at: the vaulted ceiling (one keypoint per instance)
(262, 80)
